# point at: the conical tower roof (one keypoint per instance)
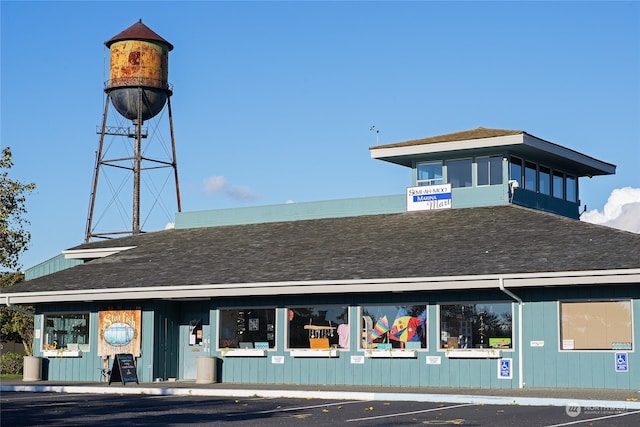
(138, 31)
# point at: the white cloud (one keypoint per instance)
(240, 192)
(170, 226)
(621, 211)
(215, 184)
(219, 184)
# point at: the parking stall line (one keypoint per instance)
(296, 408)
(588, 420)
(399, 414)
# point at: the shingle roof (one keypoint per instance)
(475, 241)
(466, 135)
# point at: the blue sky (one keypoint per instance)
(273, 101)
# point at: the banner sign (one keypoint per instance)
(119, 332)
(429, 197)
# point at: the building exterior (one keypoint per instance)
(478, 275)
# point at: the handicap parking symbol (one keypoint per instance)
(622, 362)
(504, 369)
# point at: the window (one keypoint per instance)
(558, 185)
(571, 189)
(392, 326)
(459, 173)
(247, 328)
(596, 325)
(515, 170)
(66, 331)
(318, 327)
(544, 180)
(489, 170)
(530, 176)
(429, 173)
(487, 325)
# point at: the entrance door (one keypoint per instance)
(193, 345)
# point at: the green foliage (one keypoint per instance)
(15, 324)
(14, 237)
(11, 363)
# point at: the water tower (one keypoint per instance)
(139, 90)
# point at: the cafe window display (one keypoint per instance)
(325, 326)
(64, 331)
(247, 328)
(392, 326)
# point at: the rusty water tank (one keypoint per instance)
(138, 73)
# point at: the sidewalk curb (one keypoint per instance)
(332, 395)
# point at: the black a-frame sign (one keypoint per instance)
(124, 369)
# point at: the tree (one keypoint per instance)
(14, 236)
(14, 239)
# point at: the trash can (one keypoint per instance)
(31, 368)
(205, 370)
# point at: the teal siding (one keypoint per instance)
(165, 332)
(549, 367)
(50, 266)
(293, 211)
(472, 197)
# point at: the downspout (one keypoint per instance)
(520, 329)
(18, 309)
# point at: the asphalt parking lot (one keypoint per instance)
(64, 409)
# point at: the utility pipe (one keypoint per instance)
(18, 309)
(520, 329)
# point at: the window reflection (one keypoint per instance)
(572, 189)
(530, 176)
(544, 180)
(558, 185)
(476, 325)
(489, 170)
(459, 173)
(429, 173)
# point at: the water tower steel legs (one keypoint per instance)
(173, 150)
(137, 160)
(94, 186)
(137, 167)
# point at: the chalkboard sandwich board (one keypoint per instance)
(124, 369)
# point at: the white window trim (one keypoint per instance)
(61, 353)
(315, 352)
(473, 353)
(243, 352)
(392, 353)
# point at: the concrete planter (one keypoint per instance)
(32, 368)
(205, 370)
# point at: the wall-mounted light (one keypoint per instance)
(513, 184)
